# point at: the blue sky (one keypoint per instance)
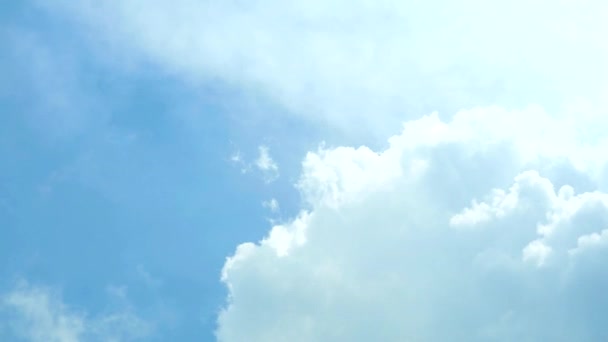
(112, 175)
(419, 156)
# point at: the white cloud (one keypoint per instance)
(346, 62)
(469, 230)
(267, 165)
(37, 314)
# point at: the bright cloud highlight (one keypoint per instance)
(345, 63)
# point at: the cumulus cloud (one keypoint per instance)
(37, 314)
(489, 227)
(346, 62)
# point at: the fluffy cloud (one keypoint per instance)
(37, 314)
(492, 226)
(345, 62)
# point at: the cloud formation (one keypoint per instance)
(489, 227)
(37, 314)
(347, 62)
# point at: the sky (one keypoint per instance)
(387, 170)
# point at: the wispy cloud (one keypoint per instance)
(38, 314)
(272, 204)
(263, 163)
(267, 165)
